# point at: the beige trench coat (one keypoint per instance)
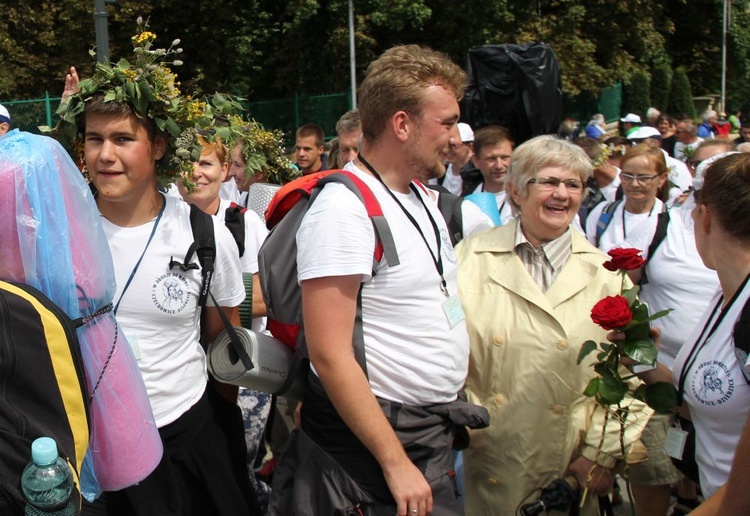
(522, 368)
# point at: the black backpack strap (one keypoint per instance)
(233, 337)
(204, 246)
(234, 220)
(662, 223)
(450, 207)
(741, 336)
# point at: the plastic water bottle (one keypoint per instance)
(46, 481)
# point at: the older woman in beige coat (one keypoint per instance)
(527, 289)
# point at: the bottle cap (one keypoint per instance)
(44, 451)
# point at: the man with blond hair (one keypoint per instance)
(376, 438)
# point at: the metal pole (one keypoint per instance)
(352, 67)
(102, 34)
(48, 108)
(724, 56)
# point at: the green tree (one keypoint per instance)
(681, 95)
(661, 78)
(636, 96)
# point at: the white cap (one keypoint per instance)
(4, 115)
(467, 135)
(631, 118)
(643, 132)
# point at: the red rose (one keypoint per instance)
(612, 312)
(624, 260)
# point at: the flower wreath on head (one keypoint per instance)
(262, 149)
(606, 152)
(150, 88)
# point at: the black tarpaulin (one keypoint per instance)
(516, 86)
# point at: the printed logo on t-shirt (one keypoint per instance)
(713, 383)
(446, 247)
(170, 293)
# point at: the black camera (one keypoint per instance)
(559, 494)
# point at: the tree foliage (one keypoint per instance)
(681, 95)
(636, 95)
(661, 78)
(268, 49)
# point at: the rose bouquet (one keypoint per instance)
(625, 313)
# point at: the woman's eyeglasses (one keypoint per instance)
(552, 183)
(630, 178)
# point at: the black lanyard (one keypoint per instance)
(698, 346)
(437, 261)
(138, 263)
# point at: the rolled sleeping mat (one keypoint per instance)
(274, 372)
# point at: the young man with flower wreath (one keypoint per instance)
(130, 116)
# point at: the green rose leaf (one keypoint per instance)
(631, 294)
(642, 351)
(592, 388)
(640, 392)
(662, 396)
(586, 348)
(661, 313)
(612, 389)
(640, 311)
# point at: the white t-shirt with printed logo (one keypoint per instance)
(413, 354)
(716, 393)
(159, 313)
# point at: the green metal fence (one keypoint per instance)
(28, 115)
(290, 113)
(608, 103)
(284, 114)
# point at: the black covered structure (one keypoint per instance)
(516, 86)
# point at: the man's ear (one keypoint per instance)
(401, 125)
(161, 142)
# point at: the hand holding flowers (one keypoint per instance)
(625, 313)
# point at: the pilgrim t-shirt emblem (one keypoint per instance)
(170, 293)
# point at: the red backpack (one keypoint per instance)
(277, 260)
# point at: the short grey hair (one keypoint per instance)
(349, 122)
(545, 151)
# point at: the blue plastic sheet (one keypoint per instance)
(51, 238)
